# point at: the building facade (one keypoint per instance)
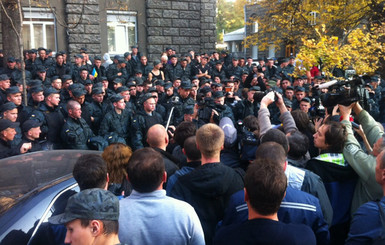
(113, 26)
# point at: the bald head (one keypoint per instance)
(157, 137)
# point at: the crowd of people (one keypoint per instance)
(202, 148)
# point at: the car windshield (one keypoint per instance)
(22, 175)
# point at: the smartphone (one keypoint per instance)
(355, 125)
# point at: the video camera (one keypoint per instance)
(345, 93)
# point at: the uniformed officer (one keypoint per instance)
(247, 106)
(222, 110)
(182, 100)
(51, 117)
(98, 108)
(5, 83)
(144, 119)
(75, 132)
(117, 121)
(9, 111)
(119, 71)
(31, 134)
(7, 133)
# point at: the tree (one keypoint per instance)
(230, 16)
(298, 22)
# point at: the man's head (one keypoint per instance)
(157, 137)
(74, 109)
(31, 129)
(5, 82)
(90, 171)
(14, 95)
(90, 216)
(7, 129)
(305, 104)
(183, 131)
(52, 97)
(299, 145)
(210, 140)
(146, 171)
(277, 136)
(9, 111)
(300, 93)
(330, 137)
(149, 104)
(190, 149)
(273, 152)
(265, 187)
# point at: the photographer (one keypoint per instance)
(363, 164)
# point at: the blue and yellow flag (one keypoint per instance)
(94, 73)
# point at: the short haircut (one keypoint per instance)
(271, 151)
(71, 104)
(210, 139)
(277, 136)
(90, 171)
(335, 136)
(117, 156)
(299, 144)
(183, 131)
(109, 226)
(265, 183)
(145, 170)
(191, 150)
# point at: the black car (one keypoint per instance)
(33, 187)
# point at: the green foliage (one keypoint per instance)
(230, 16)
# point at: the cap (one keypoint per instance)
(12, 90)
(300, 89)
(89, 204)
(97, 90)
(255, 88)
(289, 88)
(130, 84)
(87, 81)
(116, 57)
(97, 57)
(147, 96)
(118, 80)
(5, 123)
(306, 99)
(34, 83)
(151, 90)
(230, 132)
(136, 71)
(167, 85)
(288, 103)
(139, 81)
(74, 86)
(84, 50)
(78, 56)
(121, 60)
(188, 110)
(27, 125)
(205, 90)
(104, 78)
(41, 69)
(4, 77)
(134, 46)
(126, 54)
(218, 94)
(78, 92)
(115, 98)
(159, 82)
(66, 78)
(186, 84)
(122, 89)
(7, 107)
(11, 59)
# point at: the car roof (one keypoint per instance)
(25, 175)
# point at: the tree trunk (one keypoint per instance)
(10, 20)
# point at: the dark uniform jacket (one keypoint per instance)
(75, 134)
(172, 72)
(52, 121)
(141, 123)
(6, 150)
(117, 123)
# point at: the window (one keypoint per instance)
(272, 50)
(255, 52)
(290, 50)
(39, 28)
(255, 27)
(121, 28)
(313, 18)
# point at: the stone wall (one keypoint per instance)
(180, 24)
(87, 32)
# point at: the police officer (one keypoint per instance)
(125, 93)
(247, 106)
(9, 111)
(75, 132)
(7, 133)
(119, 71)
(234, 69)
(222, 110)
(98, 108)
(118, 121)
(144, 119)
(181, 100)
(31, 134)
(5, 83)
(50, 115)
